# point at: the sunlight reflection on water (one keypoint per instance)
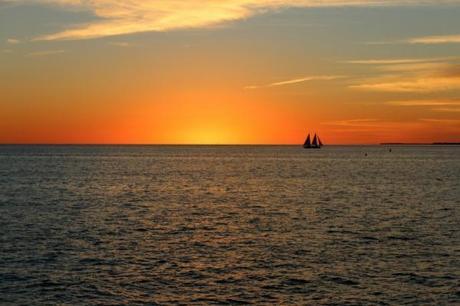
(264, 225)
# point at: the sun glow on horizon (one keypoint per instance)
(229, 72)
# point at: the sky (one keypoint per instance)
(229, 71)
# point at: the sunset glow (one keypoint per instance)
(229, 72)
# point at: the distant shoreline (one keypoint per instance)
(420, 144)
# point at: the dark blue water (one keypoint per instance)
(229, 225)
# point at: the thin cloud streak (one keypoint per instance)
(117, 17)
(418, 67)
(432, 40)
(367, 122)
(366, 125)
(422, 85)
(374, 125)
(423, 40)
(447, 109)
(45, 53)
(120, 44)
(407, 64)
(416, 75)
(441, 121)
(447, 106)
(296, 81)
(12, 41)
(399, 61)
(424, 103)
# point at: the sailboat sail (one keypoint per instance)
(307, 143)
(315, 144)
(315, 141)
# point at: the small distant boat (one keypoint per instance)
(315, 144)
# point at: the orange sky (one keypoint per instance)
(233, 72)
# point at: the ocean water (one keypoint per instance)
(148, 225)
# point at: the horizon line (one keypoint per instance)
(225, 145)
(170, 144)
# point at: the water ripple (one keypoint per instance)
(229, 225)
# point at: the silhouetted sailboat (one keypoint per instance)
(316, 144)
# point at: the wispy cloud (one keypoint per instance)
(296, 81)
(447, 109)
(413, 75)
(118, 17)
(416, 67)
(397, 61)
(12, 41)
(441, 39)
(407, 64)
(44, 53)
(422, 40)
(422, 85)
(366, 125)
(374, 126)
(447, 106)
(367, 122)
(442, 121)
(120, 44)
(425, 103)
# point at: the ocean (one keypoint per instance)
(264, 225)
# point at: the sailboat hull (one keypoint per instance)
(305, 147)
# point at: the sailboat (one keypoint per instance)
(315, 144)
